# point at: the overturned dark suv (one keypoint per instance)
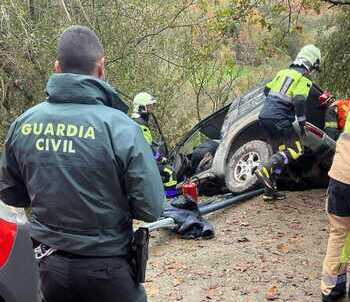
(243, 145)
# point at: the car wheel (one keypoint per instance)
(241, 163)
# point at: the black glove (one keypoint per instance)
(302, 128)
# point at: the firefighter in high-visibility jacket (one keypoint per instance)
(285, 100)
(143, 106)
(333, 283)
(335, 117)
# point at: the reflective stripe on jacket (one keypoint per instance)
(331, 122)
(288, 85)
(147, 134)
(347, 125)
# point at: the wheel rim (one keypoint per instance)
(245, 166)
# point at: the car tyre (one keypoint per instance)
(239, 176)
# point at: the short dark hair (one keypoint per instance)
(78, 50)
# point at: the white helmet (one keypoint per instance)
(309, 57)
(143, 99)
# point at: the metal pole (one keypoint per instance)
(165, 223)
(169, 223)
(226, 203)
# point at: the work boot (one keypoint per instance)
(273, 194)
(332, 298)
(337, 292)
(264, 177)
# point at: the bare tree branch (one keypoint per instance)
(338, 2)
(66, 10)
(289, 16)
(164, 59)
(169, 25)
(84, 12)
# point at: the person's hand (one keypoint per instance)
(326, 99)
(301, 121)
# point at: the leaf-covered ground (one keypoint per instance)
(261, 252)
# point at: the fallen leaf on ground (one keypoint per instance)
(242, 267)
(243, 239)
(283, 247)
(152, 290)
(272, 293)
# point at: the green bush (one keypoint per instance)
(335, 42)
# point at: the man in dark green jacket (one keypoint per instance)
(86, 171)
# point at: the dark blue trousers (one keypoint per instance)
(76, 279)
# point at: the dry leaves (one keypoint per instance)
(283, 247)
(272, 293)
(152, 290)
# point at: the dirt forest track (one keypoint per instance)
(261, 252)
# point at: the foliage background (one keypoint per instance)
(194, 56)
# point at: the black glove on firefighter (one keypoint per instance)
(299, 107)
(302, 126)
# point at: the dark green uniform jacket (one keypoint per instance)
(83, 167)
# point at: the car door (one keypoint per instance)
(18, 269)
(207, 129)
